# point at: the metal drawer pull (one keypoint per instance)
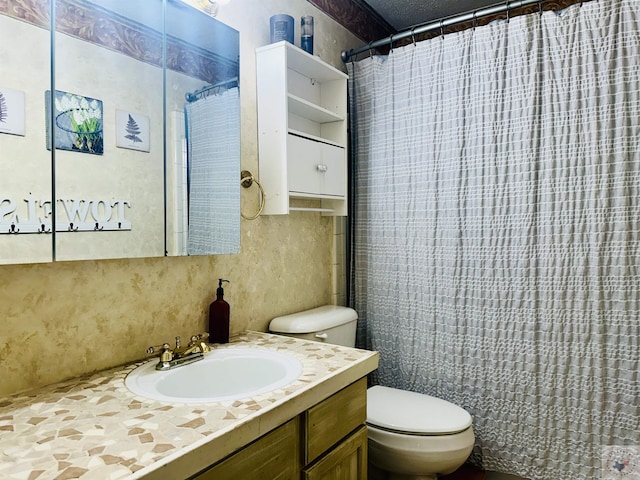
(321, 167)
(323, 335)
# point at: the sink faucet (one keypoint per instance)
(179, 356)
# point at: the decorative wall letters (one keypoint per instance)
(85, 215)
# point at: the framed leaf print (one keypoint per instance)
(12, 111)
(132, 131)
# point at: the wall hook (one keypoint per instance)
(13, 229)
(43, 229)
(72, 228)
(98, 227)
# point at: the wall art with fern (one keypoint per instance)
(132, 131)
(12, 111)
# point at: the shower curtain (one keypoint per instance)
(496, 233)
(213, 140)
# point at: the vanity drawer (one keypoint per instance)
(273, 456)
(333, 419)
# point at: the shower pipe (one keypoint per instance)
(204, 91)
(440, 25)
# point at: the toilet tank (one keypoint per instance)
(329, 324)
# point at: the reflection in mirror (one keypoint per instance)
(25, 164)
(107, 108)
(203, 134)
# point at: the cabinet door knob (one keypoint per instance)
(321, 167)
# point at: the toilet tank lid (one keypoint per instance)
(314, 320)
(414, 413)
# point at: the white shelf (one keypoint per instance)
(315, 138)
(302, 130)
(311, 209)
(303, 108)
(308, 65)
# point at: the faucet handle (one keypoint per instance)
(200, 340)
(200, 337)
(154, 348)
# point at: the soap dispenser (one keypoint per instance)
(219, 317)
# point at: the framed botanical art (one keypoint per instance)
(78, 122)
(132, 131)
(12, 111)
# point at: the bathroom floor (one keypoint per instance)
(465, 472)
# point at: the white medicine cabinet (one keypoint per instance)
(302, 130)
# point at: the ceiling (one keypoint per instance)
(371, 20)
(374, 20)
(404, 14)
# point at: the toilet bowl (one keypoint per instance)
(416, 436)
(412, 436)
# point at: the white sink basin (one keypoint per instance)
(223, 374)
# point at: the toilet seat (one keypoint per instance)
(414, 413)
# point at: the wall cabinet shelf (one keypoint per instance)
(302, 130)
(302, 108)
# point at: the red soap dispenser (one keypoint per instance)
(219, 317)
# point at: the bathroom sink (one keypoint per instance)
(223, 374)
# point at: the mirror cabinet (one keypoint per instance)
(25, 163)
(119, 136)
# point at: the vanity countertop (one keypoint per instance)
(94, 427)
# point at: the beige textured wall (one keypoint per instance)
(61, 320)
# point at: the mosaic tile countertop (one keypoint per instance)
(93, 427)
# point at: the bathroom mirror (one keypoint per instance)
(25, 163)
(203, 133)
(120, 171)
(108, 116)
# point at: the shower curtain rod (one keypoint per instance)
(192, 97)
(439, 24)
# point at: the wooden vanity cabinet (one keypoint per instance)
(346, 461)
(326, 442)
(333, 419)
(272, 456)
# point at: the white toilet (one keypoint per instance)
(411, 435)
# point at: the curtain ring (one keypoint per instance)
(370, 50)
(390, 43)
(413, 36)
(474, 22)
(508, 12)
(540, 7)
(442, 28)
(246, 180)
